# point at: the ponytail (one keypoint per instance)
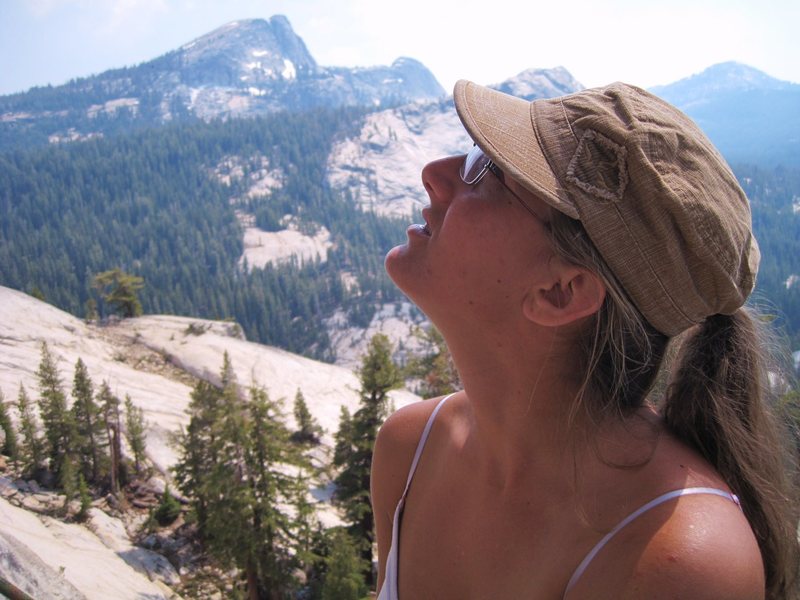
(717, 402)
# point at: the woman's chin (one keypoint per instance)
(402, 270)
(393, 262)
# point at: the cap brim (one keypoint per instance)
(503, 127)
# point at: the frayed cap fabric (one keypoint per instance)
(656, 198)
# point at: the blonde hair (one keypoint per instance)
(717, 401)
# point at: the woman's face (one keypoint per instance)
(480, 249)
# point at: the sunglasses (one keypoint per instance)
(475, 166)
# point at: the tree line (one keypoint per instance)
(775, 198)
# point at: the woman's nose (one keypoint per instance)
(440, 178)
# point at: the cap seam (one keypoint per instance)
(544, 150)
(566, 120)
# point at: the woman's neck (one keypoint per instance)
(520, 390)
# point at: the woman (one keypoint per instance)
(558, 259)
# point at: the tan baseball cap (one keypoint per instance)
(656, 198)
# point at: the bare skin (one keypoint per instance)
(503, 505)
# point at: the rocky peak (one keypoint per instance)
(540, 83)
(246, 68)
(245, 53)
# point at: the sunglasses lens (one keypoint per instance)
(474, 166)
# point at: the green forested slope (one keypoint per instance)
(148, 203)
(775, 198)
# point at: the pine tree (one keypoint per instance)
(196, 448)
(269, 453)
(84, 497)
(135, 432)
(91, 431)
(354, 445)
(120, 290)
(344, 439)
(234, 465)
(436, 369)
(306, 526)
(68, 480)
(109, 407)
(32, 451)
(308, 430)
(10, 446)
(344, 579)
(225, 482)
(56, 418)
(168, 509)
(90, 310)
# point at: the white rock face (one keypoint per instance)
(120, 354)
(264, 247)
(397, 322)
(382, 166)
(26, 323)
(62, 560)
(325, 387)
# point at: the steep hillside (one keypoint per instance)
(155, 360)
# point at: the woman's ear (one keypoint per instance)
(571, 295)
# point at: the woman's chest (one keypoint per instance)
(458, 543)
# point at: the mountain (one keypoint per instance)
(750, 116)
(243, 69)
(540, 83)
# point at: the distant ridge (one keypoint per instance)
(245, 68)
(750, 116)
(722, 78)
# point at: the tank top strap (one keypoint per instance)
(637, 513)
(389, 589)
(421, 444)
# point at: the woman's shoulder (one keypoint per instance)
(401, 432)
(697, 545)
(701, 547)
(394, 450)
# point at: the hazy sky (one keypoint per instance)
(639, 41)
